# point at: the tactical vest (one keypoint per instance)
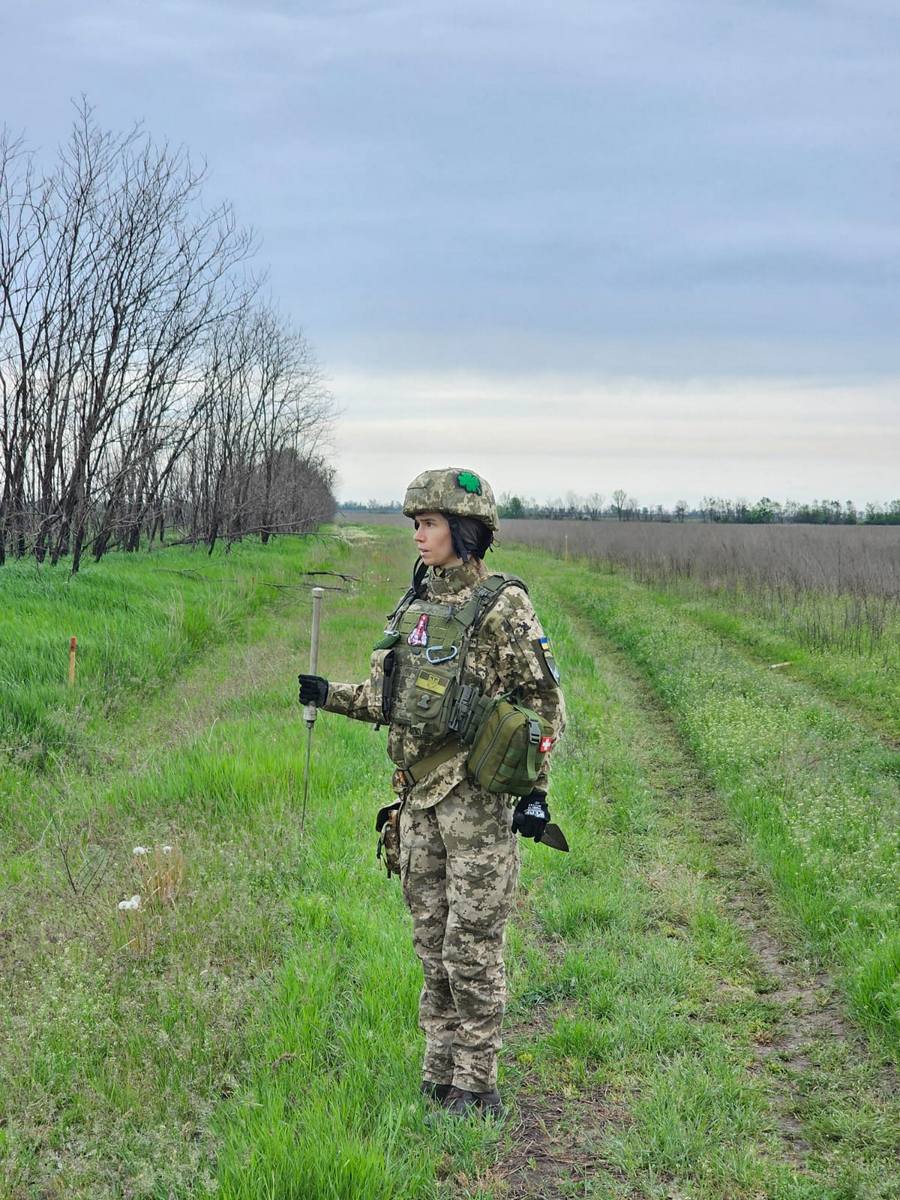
(418, 664)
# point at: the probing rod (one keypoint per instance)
(310, 710)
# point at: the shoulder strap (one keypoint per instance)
(475, 609)
(485, 597)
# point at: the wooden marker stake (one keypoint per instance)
(73, 650)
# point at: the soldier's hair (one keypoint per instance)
(471, 537)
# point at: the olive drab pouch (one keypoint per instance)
(509, 746)
(387, 826)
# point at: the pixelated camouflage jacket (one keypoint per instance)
(504, 656)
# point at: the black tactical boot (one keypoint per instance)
(436, 1092)
(485, 1104)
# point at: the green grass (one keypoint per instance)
(265, 1000)
(139, 620)
(867, 681)
(258, 1039)
(815, 791)
(652, 1001)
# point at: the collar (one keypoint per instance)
(443, 582)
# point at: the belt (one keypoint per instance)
(405, 778)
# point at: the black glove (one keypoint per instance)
(313, 689)
(530, 816)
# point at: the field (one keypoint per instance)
(705, 994)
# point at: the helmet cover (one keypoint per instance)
(453, 491)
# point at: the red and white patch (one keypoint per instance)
(419, 636)
(546, 744)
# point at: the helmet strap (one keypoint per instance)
(419, 573)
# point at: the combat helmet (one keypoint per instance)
(452, 490)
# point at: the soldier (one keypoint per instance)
(458, 626)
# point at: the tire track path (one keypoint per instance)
(805, 681)
(827, 1103)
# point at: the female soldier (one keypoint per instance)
(459, 861)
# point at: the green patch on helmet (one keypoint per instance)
(469, 482)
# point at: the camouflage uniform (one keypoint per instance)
(459, 857)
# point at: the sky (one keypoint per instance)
(576, 246)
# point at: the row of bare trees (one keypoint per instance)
(145, 389)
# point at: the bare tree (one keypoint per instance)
(133, 368)
(594, 505)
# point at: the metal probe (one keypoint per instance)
(310, 710)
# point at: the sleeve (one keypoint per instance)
(354, 700)
(524, 663)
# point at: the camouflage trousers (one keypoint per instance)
(459, 864)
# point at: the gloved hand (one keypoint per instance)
(530, 816)
(313, 689)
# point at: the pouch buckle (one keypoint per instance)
(462, 709)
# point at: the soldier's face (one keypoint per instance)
(433, 540)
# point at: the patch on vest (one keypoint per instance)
(430, 682)
(543, 644)
(546, 744)
(419, 636)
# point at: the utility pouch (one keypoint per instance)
(387, 826)
(381, 671)
(508, 748)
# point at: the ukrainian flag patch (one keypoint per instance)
(550, 667)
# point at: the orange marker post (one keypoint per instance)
(73, 650)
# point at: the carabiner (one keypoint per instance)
(431, 654)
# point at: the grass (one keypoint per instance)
(257, 1039)
(815, 791)
(827, 599)
(152, 1063)
(139, 619)
(866, 680)
(633, 988)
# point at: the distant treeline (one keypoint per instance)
(145, 387)
(623, 507)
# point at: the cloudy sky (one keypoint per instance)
(576, 245)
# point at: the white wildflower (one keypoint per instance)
(131, 905)
(139, 850)
(166, 849)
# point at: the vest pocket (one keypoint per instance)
(381, 676)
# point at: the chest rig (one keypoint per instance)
(418, 664)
